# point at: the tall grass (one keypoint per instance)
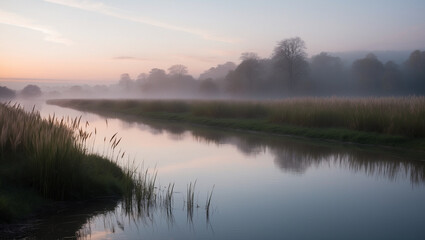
(53, 150)
(401, 116)
(395, 116)
(51, 157)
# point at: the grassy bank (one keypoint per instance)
(46, 160)
(383, 121)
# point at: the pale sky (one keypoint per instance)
(100, 39)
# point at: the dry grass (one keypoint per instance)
(393, 116)
(403, 116)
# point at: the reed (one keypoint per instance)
(386, 121)
(168, 199)
(50, 158)
(190, 200)
(396, 115)
(208, 203)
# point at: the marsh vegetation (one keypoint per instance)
(47, 160)
(383, 121)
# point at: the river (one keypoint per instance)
(264, 187)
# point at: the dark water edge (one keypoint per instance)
(59, 220)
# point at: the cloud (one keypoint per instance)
(104, 9)
(19, 21)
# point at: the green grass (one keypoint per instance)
(397, 122)
(45, 160)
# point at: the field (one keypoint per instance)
(396, 122)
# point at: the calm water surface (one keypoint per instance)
(265, 187)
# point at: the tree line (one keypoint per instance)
(289, 72)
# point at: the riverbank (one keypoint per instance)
(43, 161)
(393, 122)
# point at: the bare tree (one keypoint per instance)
(177, 69)
(290, 56)
(249, 56)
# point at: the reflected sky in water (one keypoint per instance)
(266, 187)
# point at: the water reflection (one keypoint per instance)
(103, 219)
(69, 220)
(298, 155)
(268, 187)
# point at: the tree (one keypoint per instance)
(324, 62)
(249, 56)
(368, 72)
(31, 91)
(218, 72)
(208, 87)
(126, 82)
(289, 55)
(141, 79)
(177, 69)
(416, 71)
(6, 93)
(391, 78)
(246, 75)
(326, 72)
(156, 74)
(155, 80)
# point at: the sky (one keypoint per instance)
(98, 40)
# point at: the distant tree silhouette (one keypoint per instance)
(324, 62)
(249, 56)
(416, 71)
(326, 72)
(156, 74)
(208, 87)
(218, 72)
(6, 93)
(243, 79)
(391, 79)
(125, 82)
(290, 57)
(141, 79)
(368, 73)
(177, 69)
(154, 80)
(31, 91)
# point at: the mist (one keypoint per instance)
(288, 72)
